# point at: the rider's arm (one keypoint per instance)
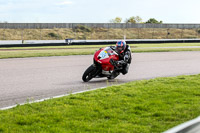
(127, 56)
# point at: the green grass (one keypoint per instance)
(165, 50)
(44, 53)
(98, 46)
(139, 107)
(166, 45)
(22, 52)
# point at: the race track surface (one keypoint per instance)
(42, 77)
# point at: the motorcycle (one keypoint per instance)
(105, 65)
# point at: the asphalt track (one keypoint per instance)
(41, 77)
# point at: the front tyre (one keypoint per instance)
(87, 76)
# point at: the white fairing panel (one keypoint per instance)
(103, 54)
(106, 72)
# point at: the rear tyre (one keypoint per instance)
(87, 76)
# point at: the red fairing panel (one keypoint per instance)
(105, 61)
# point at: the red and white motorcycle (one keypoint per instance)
(105, 65)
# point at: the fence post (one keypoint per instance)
(58, 34)
(22, 35)
(182, 34)
(144, 33)
(153, 34)
(124, 29)
(4, 34)
(91, 33)
(108, 32)
(168, 33)
(66, 36)
(197, 33)
(84, 34)
(40, 33)
(138, 33)
(74, 29)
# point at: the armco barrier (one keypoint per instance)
(93, 42)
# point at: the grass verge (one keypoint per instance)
(141, 107)
(22, 52)
(44, 53)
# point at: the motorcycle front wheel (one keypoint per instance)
(88, 74)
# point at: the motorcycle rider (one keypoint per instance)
(124, 53)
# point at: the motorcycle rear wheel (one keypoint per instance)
(87, 76)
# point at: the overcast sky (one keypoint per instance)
(98, 11)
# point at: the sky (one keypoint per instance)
(98, 11)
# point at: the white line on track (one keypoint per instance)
(41, 100)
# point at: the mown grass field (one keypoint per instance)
(138, 107)
(22, 52)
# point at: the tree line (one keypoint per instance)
(135, 19)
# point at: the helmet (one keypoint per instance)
(120, 46)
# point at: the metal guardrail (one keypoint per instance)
(29, 43)
(192, 126)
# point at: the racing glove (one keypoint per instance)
(121, 62)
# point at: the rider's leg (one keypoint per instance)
(125, 69)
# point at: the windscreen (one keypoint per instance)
(106, 53)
